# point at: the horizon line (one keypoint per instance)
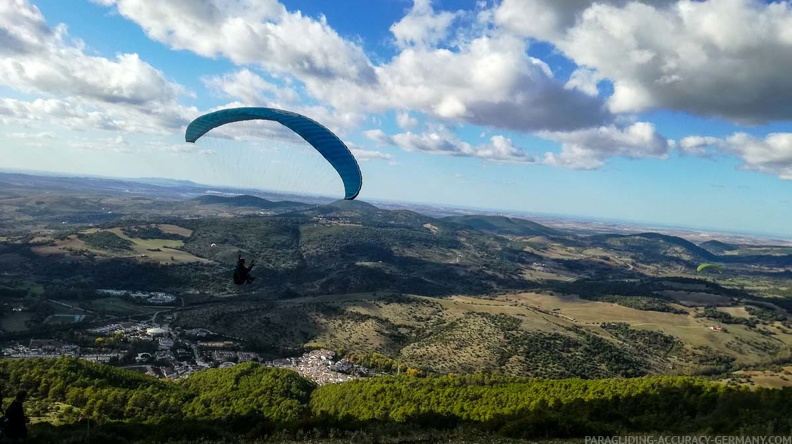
(492, 211)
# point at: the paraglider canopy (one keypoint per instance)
(319, 137)
(703, 266)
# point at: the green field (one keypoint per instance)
(149, 243)
(15, 322)
(116, 307)
(169, 251)
(33, 288)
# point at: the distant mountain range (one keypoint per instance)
(502, 225)
(496, 224)
(247, 201)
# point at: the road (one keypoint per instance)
(71, 306)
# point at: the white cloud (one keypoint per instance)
(542, 19)
(182, 149)
(405, 121)
(84, 91)
(252, 32)
(251, 89)
(33, 136)
(488, 81)
(41, 110)
(589, 148)
(422, 26)
(116, 144)
(35, 57)
(726, 58)
(584, 80)
(499, 148)
(696, 145)
(549, 19)
(770, 155)
(363, 155)
(486, 78)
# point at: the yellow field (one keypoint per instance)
(770, 379)
(571, 310)
(175, 229)
(140, 249)
(460, 340)
(737, 312)
(531, 319)
(550, 313)
(168, 254)
(62, 247)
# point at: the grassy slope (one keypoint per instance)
(464, 334)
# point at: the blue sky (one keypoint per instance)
(667, 112)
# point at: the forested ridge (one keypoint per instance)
(249, 400)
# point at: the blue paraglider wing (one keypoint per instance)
(321, 138)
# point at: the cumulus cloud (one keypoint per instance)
(549, 19)
(726, 59)
(406, 121)
(251, 32)
(584, 80)
(588, 149)
(422, 26)
(49, 64)
(770, 155)
(541, 19)
(363, 155)
(486, 78)
(696, 145)
(251, 89)
(78, 116)
(499, 148)
(63, 112)
(123, 93)
(488, 81)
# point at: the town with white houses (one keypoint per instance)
(174, 353)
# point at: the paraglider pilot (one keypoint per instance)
(16, 427)
(242, 273)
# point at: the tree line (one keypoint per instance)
(249, 400)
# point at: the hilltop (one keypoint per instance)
(502, 225)
(246, 201)
(717, 247)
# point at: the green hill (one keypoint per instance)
(718, 247)
(247, 201)
(505, 226)
(350, 247)
(653, 246)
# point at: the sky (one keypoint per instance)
(667, 112)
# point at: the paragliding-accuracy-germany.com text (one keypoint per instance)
(688, 439)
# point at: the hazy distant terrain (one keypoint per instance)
(460, 294)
